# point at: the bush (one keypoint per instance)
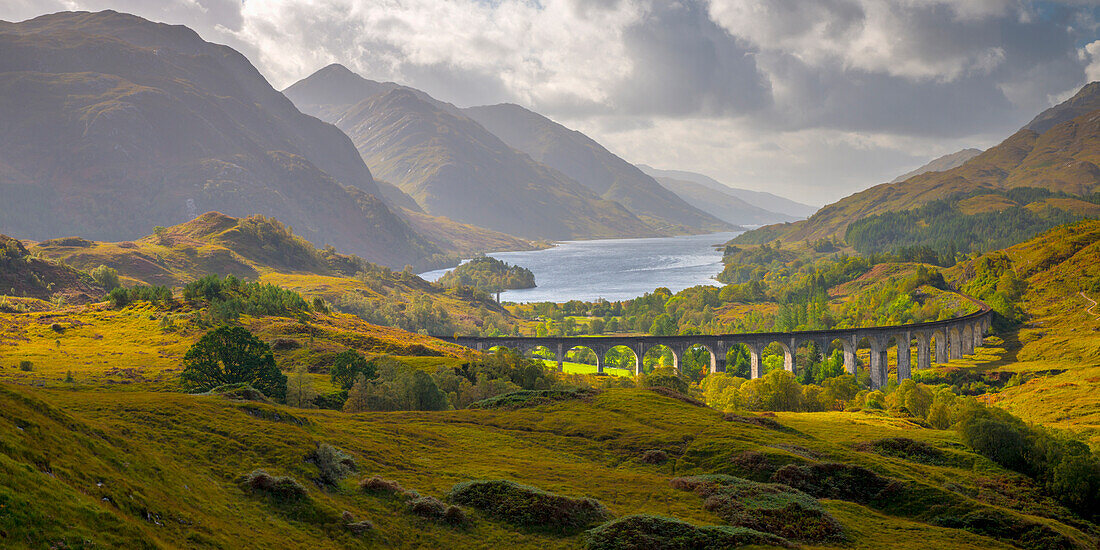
(281, 488)
(26, 366)
(239, 392)
(837, 481)
(654, 456)
(767, 507)
(379, 485)
(232, 355)
(529, 506)
(905, 448)
(107, 277)
(356, 527)
(645, 532)
(531, 398)
(669, 381)
(333, 463)
(428, 507)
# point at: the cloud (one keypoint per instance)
(830, 91)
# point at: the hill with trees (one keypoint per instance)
(114, 124)
(489, 274)
(1060, 158)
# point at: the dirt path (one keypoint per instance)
(1089, 310)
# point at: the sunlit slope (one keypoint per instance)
(1059, 343)
(150, 470)
(263, 249)
(1062, 158)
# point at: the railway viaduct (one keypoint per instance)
(946, 339)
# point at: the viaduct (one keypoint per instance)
(948, 339)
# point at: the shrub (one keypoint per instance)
(107, 277)
(428, 507)
(382, 486)
(356, 527)
(767, 507)
(529, 506)
(905, 448)
(669, 392)
(669, 381)
(645, 532)
(26, 366)
(531, 398)
(838, 481)
(333, 463)
(239, 392)
(654, 456)
(282, 488)
(231, 355)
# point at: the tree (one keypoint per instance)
(358, 396)
(299, 390)
(663, 325)
(232, 355)
(161, 233)
(107, 277)
(348, 365)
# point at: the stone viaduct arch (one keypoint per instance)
(953, 338)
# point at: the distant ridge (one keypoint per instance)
(941, 164)
(761, 199)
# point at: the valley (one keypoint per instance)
(274, 306)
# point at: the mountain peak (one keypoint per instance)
(1086, 100)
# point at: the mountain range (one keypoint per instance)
(781, 208)
(1057, 152)
(114, 124)
(500, 166)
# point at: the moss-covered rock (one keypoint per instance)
(529, 506)
(645, 532)
(768, 507)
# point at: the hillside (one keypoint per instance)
(722, 204)
(782, 206)
(24, 275)
(114, 124)
(263, 249)
(582, 159)
(1057, 349)
(455, 168)
(940, 164)
(1062, 159)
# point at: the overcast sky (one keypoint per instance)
(809, 99)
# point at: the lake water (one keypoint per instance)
(614, 269)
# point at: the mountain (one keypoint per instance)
(1085, 101)
(590, 164)
(759, 199)
(941, 164)
(114, 124)
(722, 204)
(453, 167)
(1062, 160)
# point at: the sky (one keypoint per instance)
(813, 100)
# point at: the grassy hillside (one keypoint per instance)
(1056, 351)
(262, 249)
(1060, 158)
(114, 124)
(141, 469)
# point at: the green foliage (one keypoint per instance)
(332, 463)
(529, 506)
(499, 373)
(766, 507)
(349, 364)
(531, 398)
(1067, 467)
(941, 226)
(26, 366)
(641, 531)
(489, 274)
(107, 277)
(230, 355)
(397, 387)
(836, 480)
(993, 280)
(231, 297)
(282, 488)
(157, 295)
